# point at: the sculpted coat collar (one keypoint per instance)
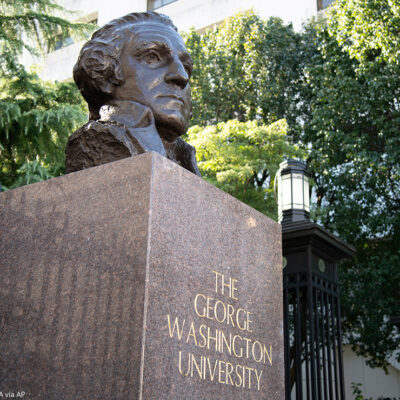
(138, 121)
(125, 128)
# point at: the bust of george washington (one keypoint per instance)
(134, 74)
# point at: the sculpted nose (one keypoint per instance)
(177, 74)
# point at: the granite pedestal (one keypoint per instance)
(138, 280)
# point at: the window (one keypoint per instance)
(321, 4)
(153, 4)
(61, 42)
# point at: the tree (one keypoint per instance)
(35, 117)
(352, 132)
(246, 68)
(367, 30)
(242, 159)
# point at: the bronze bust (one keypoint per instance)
(134, 74)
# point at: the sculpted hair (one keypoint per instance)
(98, 69)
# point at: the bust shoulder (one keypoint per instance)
(97, 143)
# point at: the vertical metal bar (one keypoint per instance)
(287, 336)
(323, 344)
(306, 322)
(339, 338)
(328, 346)
(311, 322)
(334, 338)
(317, 308)
(297, 336)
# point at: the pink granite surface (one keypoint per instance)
(94, 263)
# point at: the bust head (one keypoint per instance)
(139, 57)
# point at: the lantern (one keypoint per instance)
(293, 192)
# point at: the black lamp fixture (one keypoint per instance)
(293, 184)
(312, 326)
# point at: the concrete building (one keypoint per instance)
(202, 14)
(374, 381)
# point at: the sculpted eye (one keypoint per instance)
(152, 56)
(188, 69)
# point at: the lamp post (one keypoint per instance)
(312, 327)
(293, 192)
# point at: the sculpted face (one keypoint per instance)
(156, 68)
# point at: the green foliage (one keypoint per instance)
(357, 391)
(36, 117)
(352, 131)
(31, 172)
(246, 68)
(367, 30)
(370, 287)
(242, 158)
